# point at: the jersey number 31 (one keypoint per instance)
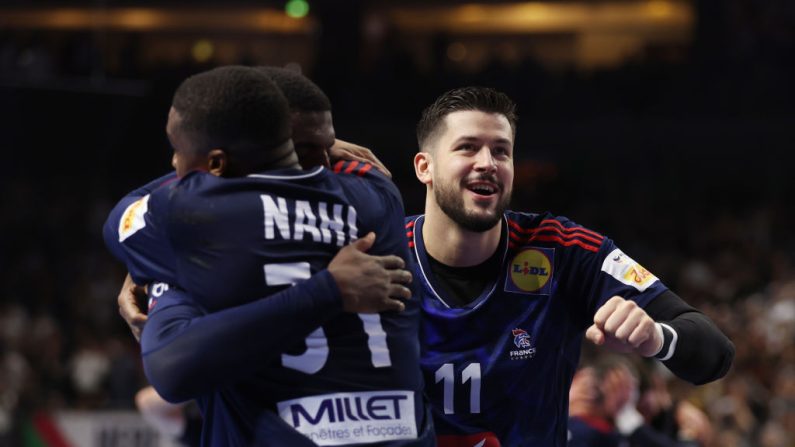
(317, 351)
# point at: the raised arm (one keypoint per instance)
(635, 312)
(669, 329)
(702, 353)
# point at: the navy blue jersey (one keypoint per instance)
(499, 368)
(228, 242)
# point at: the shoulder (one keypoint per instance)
(411, 220)
(527, 228)
(354, 168)
(351, 170)
(193, 181)
(364, 177)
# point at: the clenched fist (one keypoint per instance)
(622, 326)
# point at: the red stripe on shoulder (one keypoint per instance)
(513, 224)
(351, 167)
(554, 225)
(410, 224)
(338, 166)
(411, 244)
(363, 170)
(566, 235)
(566, 241)
(572, 229)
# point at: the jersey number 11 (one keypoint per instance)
(471, 374)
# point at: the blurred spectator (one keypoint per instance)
(603, 409)
(180, 422)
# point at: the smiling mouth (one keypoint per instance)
(483, 189)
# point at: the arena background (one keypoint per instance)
(668, 125)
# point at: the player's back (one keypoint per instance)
(356, 379)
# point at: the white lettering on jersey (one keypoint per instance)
(626, 270)
(133, 218)
(158, 289)
(275, 215)
(353, 231)
(305, 221)
(287, 273)
(309, 217)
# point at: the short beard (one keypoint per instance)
(452, 203)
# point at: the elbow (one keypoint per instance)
(170, 381)
(727, 359)
(723, 363)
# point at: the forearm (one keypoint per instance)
(702, 353)
(187, 353)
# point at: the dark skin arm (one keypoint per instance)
(129, 309)
(367, 284)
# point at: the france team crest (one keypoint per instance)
(530, 271)
(521, 339)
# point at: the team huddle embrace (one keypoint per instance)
(292, 299)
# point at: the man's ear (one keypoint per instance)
(423, 166)
(217, 162)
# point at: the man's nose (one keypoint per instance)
(485, 160)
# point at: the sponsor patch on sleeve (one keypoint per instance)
(626, 270)
(352, 418)
(133, 218)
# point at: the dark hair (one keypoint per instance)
(234, 108)
(302, 94)
(483, 99)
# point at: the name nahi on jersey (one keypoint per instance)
(321, 221)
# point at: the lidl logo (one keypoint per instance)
(530, 271)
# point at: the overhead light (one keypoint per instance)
(296, 8)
